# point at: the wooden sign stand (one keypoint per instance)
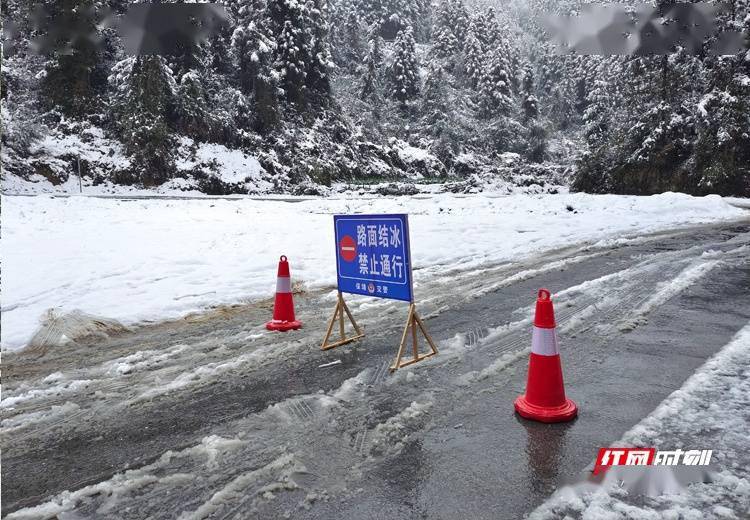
(338, 312)
(413, 321)
(374, 237)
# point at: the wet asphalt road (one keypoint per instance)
(636, 319)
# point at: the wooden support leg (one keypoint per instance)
(426, 334)
(415, 345)
(339, 306)
(413, 321)
(351, 318)
(397, 364)
(338, 313)
(330, 324)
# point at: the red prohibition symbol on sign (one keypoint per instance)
(348, 248)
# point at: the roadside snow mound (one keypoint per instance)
(59, 328)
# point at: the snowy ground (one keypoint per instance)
(144, 260)
(717, 395)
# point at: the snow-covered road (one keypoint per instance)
(145, 260)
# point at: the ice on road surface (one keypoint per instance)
(146, 260)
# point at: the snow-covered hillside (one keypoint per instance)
(138, 260)
(290, 96)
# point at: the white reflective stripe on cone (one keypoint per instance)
(544, 342)
(283, 285)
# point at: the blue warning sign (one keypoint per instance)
(373, 256)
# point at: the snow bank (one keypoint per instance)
(145, 260)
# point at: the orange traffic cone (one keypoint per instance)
(283, 307)
(545, 399)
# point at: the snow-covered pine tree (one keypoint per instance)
(420, 16)
(191, 56)
(445, 41)
(141, 109)
(317, 74)
(302, 57)
(253, 50)
(252, 47)
(373, 13)
(495, 96)
(536, 140)
(527, 80)
(352, 45)
(473, 59)
(405, 69)
(601, 119)
(192, 113)
(648, 138)
(438, 117)
(375, 46)
(596, 118)
(373, 61)
(530, 103)
(460, 20)
(557, 84)
(530, 107)
(435, 96)
(490, 34)
(478, 29)
(389, 17)
(21, 121)
(291, 54)
(219, 49)
(232, 113)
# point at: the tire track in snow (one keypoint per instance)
(585, 306)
